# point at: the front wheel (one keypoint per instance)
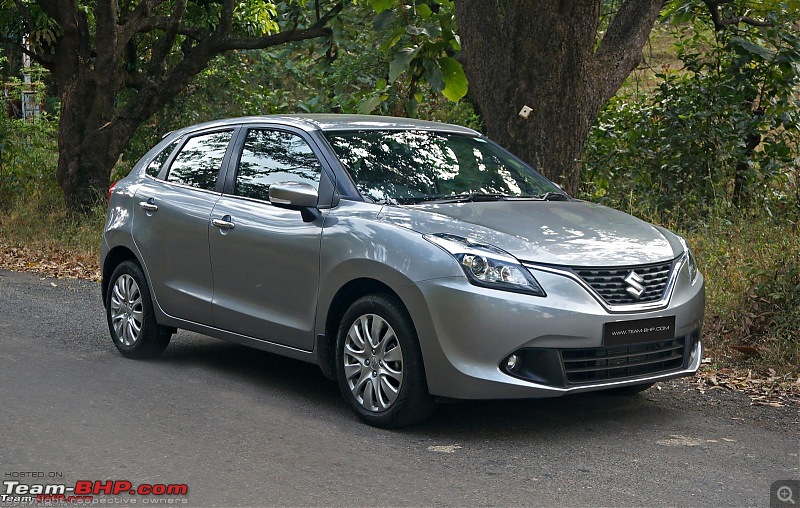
(379, 364)
(131, 319)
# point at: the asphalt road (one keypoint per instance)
(242, 427)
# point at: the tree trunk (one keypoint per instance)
(82, 173)
(87, 155)
(541, 54)
(87, 152)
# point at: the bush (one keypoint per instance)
(752, 270)
(28, 157)
(719, 136)
(33, 210)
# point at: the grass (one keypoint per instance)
(659, 53)
(751, 263)
(752, 270)
(37, 232)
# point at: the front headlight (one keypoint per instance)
(487, 266)
(690, 261)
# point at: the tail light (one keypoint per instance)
(111, 189)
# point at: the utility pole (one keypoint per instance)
(30, 106)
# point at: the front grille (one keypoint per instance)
(610, 283)
(607, 363)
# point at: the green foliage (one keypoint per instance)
(28, 151)
(721, 133)
(44, 29)
(347, 74)
(421, 39)
(712, 151)
(256, 18)
(752, 288)
(28, 156)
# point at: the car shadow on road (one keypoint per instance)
(258, 368)
(305, 385)
(578, 412)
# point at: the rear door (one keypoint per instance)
(266, 259)
(171, 224)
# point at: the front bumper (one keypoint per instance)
(467, 333)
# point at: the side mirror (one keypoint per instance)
(296, 196)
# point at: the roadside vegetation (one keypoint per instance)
(703, 138)
(707, 145)
(37, 232)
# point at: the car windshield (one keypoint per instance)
(411, 167)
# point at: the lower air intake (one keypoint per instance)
(591, 365)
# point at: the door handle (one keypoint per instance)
(223, 223)
(149, 205)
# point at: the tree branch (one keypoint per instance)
(45, 60)
(620, 51)
(136, 21)
(135, 80)
(156, 91)
(721, 23)
(226, 19)
(142, 10)
(318, 29)
(163, 46)
(50, 8)
(164, 23)
(106, 36)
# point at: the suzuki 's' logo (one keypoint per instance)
(634, 282)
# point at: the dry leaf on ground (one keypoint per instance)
(50, 262)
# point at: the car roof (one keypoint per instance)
(337, 122)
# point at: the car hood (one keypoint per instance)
(571, 233)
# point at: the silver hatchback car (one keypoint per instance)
(412, 261)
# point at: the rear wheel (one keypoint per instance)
(129, 311)
(630, 390)
(379, 364)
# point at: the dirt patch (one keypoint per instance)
(50, 262)
(735, 404)
(763, 389)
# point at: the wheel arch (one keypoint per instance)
(115, 256)
(341, 301)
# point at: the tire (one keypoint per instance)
(395, 394)
(128, 308)
(629, 391)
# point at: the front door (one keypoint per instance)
(265, 259)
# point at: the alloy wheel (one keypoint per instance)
(127, 312)
(373, 362)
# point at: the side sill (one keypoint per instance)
(244, 340)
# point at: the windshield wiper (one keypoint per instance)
(552, 196)
(465, 198)
(474, 197)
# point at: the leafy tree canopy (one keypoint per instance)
(116, 62)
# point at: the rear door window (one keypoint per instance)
(270, 157)
(199, 160)
(158, 161)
